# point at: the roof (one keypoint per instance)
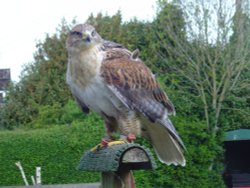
(110, 158)
(4, 78)
(239, 134)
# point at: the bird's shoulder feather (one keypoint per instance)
(115, 50)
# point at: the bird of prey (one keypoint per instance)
(107, 78)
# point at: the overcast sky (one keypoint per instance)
(24, 22)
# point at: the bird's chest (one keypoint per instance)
(100, 99)
(83, 68)
(83, 77)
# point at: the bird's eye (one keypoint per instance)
(93, 33)
(76, 33)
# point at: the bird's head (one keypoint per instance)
(82, 37)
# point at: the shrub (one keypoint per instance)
(57, 150)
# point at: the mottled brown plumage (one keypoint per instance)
(109, 79)
(132, 76)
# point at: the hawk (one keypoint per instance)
(109, 79)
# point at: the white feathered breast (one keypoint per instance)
(85, 82)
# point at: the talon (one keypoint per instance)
(131, 137)
(98, 146)
(103, 143)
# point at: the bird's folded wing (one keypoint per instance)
(114, 51)
(136, 86)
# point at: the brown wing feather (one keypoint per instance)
(138, 85)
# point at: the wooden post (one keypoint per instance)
(18, 164)
(38, 176)
(120, 179)
(116, 163)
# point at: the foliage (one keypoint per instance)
(71, 112)
(236, 111)
(206, 79)
(208, 58)
(47, 115)
(42, 83)
(201, 148)
(108, 26)
(57, 150)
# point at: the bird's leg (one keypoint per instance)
(114, 140)
(107, 138)
(113, 134)
(103, 143)
(123, 140)
(107, 142)
(131, 137)
(128, 138)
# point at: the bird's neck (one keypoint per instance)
(84, 66)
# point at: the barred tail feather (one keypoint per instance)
(168, 147)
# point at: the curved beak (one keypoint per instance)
(86, 37)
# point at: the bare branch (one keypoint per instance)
(214, 53)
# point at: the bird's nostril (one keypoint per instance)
(88, 39)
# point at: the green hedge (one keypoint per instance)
(203, 168)
(57, 150)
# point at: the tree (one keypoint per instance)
(42, 82)
(40, 96)
(212, 56)
(109, 27)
